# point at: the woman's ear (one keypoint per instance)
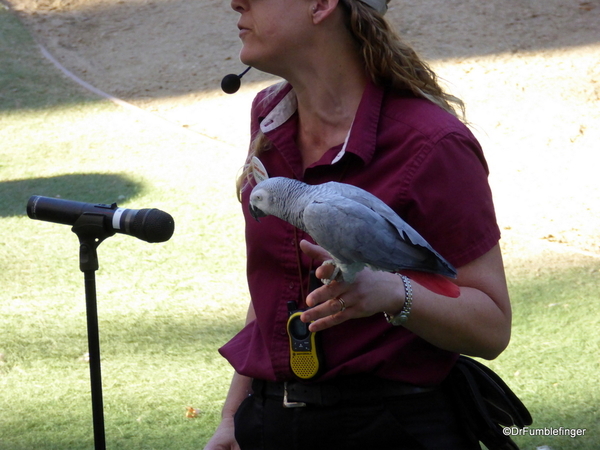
(322, 9)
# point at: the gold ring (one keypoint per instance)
(342, 303)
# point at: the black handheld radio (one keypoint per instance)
(306, 357)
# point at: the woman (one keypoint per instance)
(358, 106)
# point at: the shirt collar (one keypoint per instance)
(286, 106)
(362, 138)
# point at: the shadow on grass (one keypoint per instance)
(83, 187)
(194, 58)
(157, 359)
(552, 363)
(154, 364)
(28, 81)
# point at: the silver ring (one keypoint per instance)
(342, 303)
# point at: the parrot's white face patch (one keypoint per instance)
(258, 170)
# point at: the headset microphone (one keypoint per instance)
(231, 83)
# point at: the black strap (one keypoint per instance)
(355, 389)
(503, 404)
(486, 403)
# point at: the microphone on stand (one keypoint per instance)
(150, 225)
(92, 223)
(231, 83)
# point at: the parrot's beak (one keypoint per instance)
(255, 212)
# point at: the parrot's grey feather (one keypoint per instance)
(354, 226)
(370, 201)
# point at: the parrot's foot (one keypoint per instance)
(337, 273)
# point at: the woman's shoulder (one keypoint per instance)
(421, 116)
(419, 127)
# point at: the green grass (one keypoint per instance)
(553, 359)
(27, 82)
(164, 309)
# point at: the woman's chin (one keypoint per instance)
(248, 57)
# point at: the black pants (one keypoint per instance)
(423, 421)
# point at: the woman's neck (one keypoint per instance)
(327, 105)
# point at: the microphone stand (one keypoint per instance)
(90, 230)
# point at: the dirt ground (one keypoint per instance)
(528, 70)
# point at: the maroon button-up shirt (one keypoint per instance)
(417, 158)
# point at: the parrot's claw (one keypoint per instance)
(337, 273)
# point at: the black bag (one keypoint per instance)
(485, 403)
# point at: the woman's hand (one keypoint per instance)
(475, 323)
(371, 293)
(224, 437)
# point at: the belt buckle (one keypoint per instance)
(287, 404)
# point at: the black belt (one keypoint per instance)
(359, 389)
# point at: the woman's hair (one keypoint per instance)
(389, 62)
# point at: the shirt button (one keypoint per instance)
(291, 285)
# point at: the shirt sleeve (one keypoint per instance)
(451, 201)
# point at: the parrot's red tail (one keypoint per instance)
(434, 282)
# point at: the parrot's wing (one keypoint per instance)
(354, 233)
(374, 203)
(404, 230)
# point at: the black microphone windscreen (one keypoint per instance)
(231, 83)
(152, 225)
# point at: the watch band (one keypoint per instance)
(402, 317)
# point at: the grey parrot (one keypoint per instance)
(355, 227)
